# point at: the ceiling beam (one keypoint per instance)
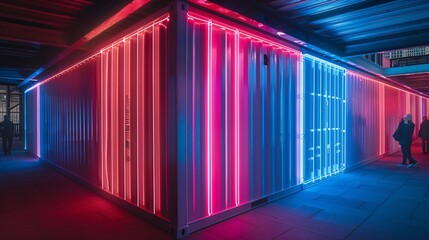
(259, 12)
(29, 34)
(389, 42)
(112, 20)
(348, 8)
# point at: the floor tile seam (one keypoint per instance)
(372, 213)
(309, 230)
(278, 235)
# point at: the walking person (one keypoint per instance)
(404, 134)
(424, 135)
(6, 130)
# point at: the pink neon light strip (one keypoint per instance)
(226, 121)
(38, 120)
(138, 157)
(157, 97)
(209, 120)
(237, 117)
(194, 197)
(102, 118)
(245, 34)
(382, 83)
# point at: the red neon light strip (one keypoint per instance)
(104, 49)
(158, 119)
(153, 125)
(127, 162)
(143, 121)
(114, 122)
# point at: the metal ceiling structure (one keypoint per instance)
(39, 37)
(34, 32)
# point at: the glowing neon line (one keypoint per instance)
(158, 118)
(125, 119)
(153, 123)
(244, 34)
(138, 119)
(382, 83)
(105, 119)
(343, 167)
(105, 48)
(112, 122)
(209, 119)
(194, 197)
(143, 121)
(25, 121)
(300, 122)
(38, 120)
(226, 118)
(103, 104)
(237, 116)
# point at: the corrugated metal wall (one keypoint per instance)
(371, 125)
(240, 118)
(134, 119)
(324, 124)
(69, 120)
(32, 122)
(105, 120)
(259, 119)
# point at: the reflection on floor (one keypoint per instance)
(378, 201)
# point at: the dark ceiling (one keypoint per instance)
(48, 34)
(39, 37)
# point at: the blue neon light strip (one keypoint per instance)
(324, 119)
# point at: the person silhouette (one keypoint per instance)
(6, 130)
(404, 134)
(424, 135)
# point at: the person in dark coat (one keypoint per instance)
(404, 134)
(424, 134)
(6, 130)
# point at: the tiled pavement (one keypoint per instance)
(379, 201)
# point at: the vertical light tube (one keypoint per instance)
(194, 185)
(154, 153)
(138, 119)
(209, 119)
(141, 78)
(380, 118)
(300, 120)
(125, 119)
(344, 124)
(25, 121)
(102, 117)
(38, 120)
(227, 160)
(158, 115)
(105, 120)
(237, 116)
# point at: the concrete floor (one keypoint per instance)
(378, 201)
